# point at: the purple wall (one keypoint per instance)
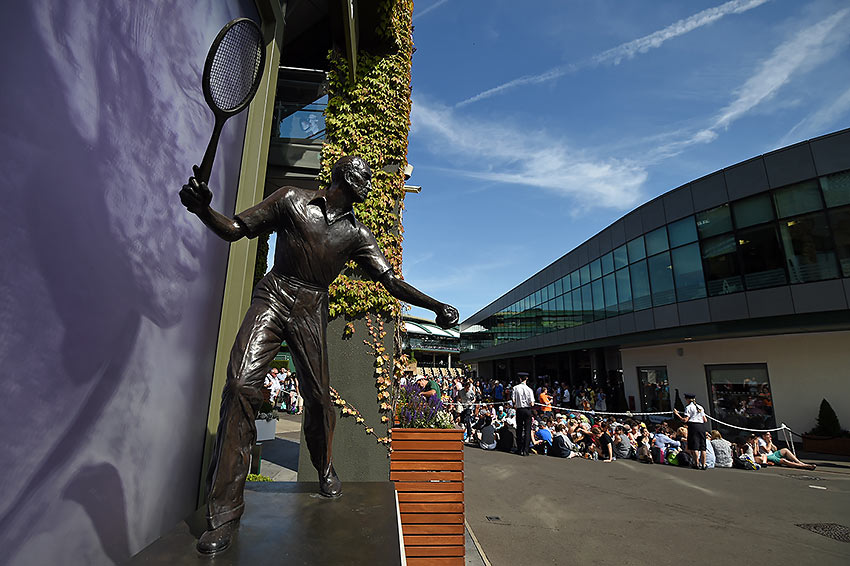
(110, 292)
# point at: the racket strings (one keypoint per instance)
(236, 66)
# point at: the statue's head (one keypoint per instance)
(353, 172)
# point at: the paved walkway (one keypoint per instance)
(541, 510)
(280, 462)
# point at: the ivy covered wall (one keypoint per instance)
(369, 116)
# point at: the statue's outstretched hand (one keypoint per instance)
(446, 316)
(195, 196)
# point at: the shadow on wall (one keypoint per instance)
(110, 294)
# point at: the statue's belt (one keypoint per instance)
(299, 283)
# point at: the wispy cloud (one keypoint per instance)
(628, 50)
(431, 8)
(460, 276)
(821, 120)
(497, 152)
(808, 48)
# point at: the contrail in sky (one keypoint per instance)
(433, 6)
(627, 50)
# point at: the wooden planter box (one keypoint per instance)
(824, 445)
(427, 468)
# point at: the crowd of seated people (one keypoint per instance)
(559, 429)
(573, 435)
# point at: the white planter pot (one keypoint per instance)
(265, 429)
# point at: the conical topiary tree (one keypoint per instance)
(677, 403)
(828, 424)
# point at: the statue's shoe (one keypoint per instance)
(329, 485)
(217, 540)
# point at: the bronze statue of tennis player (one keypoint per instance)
(317, 233)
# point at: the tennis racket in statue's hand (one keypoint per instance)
(232, 75)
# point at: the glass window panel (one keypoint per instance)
(761, 256)
(621, 257)
(720, 265)
(566, 283)
(752, 211)
(608, 263)
(586, 304)
(560, 312)
(559, 287)
(656, 241)
(797, 199)
(624, 291)
(654, 389)
(537, 298)
(809, 249)
(836, 188)
(575, 280)
(714, 221)
(661, 279)
(741, 396)
(636, 250)
(839, 220)
(573, 304)
(682, 232)
(598, 300)
(641, 297)
(548, 315)
(595, 269)
(552, 293)
(687, 272)
(584, 271)
(609, 284)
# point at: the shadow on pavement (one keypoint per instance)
(282, 452)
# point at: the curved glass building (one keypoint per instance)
(734, 286)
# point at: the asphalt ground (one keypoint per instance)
(540, 510)
(279, 461)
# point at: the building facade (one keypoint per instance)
(430, 345)
(734, 286)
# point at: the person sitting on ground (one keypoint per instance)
(562, 446)
(606, 445)
(541, 439)
(769, 455)
(506, 436)
(746, 451)
(722, 450)
(623, 448)
(644, 441)
(662, 443)
(486, 435)
(710, 457)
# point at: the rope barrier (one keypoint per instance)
(782, 428)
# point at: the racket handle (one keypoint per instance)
(205, 169)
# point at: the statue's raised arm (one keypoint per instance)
(196, 196)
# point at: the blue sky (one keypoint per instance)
(535, 128)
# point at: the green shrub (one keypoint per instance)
(258, 477)
(828, 424)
